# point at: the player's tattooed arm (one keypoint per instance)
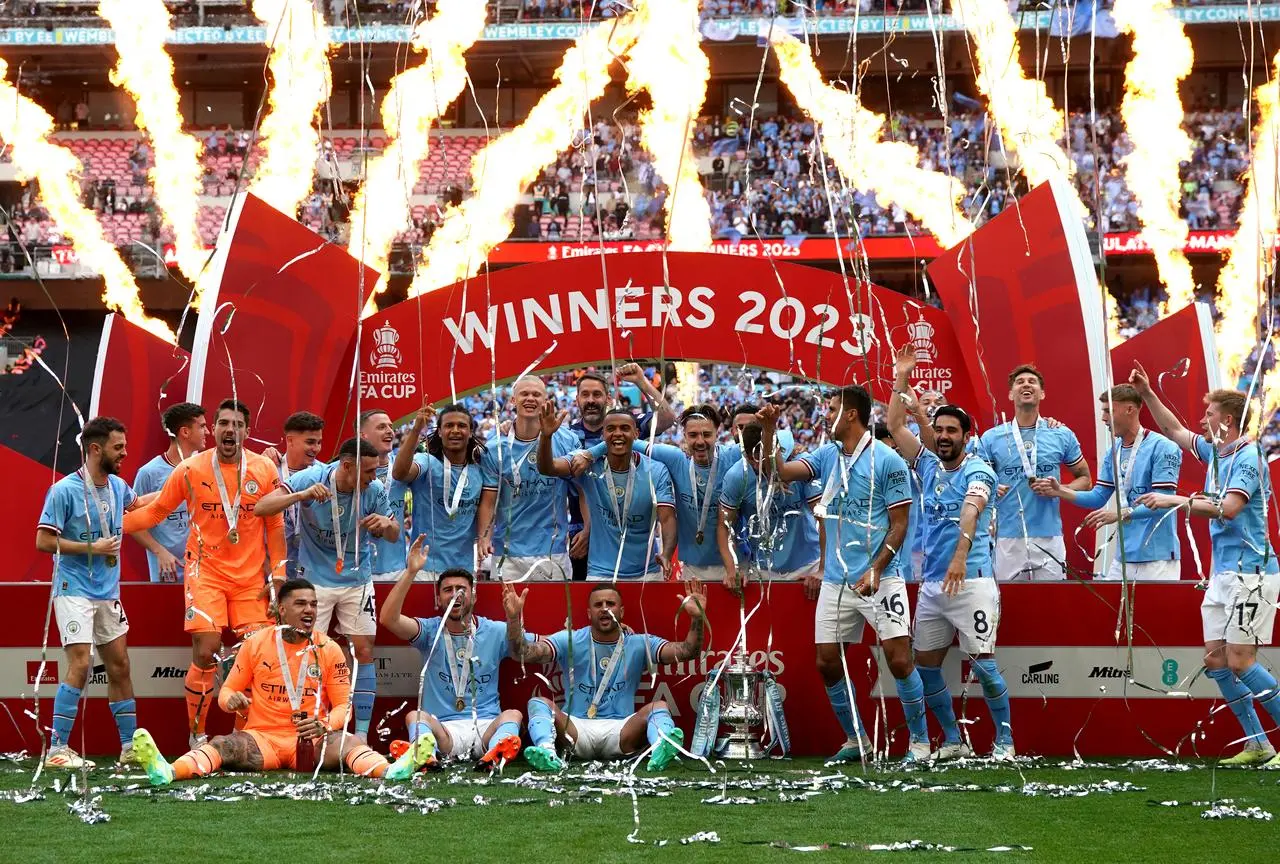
(404, 469)
(893, 541)
(238, 750)
(695, 605)
(520, 648)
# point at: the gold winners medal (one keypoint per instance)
(233, 536)
(337, 568)
(460, 704)
(699, 538)
(112, 561)
(591, 712)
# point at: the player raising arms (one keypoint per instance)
(865, 505)
(166, 543)
(1025, 452)
(294, 685)
(624, 493)
(232, 555)
(449, 485)
(1149, 462)
(328, 513)
(959, 594)
(388, 554)
(1239, 608)
(530, 533)
(462, 651)
(602, 664)
(80, 526)
(773, 520)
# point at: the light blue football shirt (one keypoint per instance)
(589, 662)
(67, 512)
(438, 694)
(603, 490)
(317, 546)
(172, 532)
(857, 520)
(1020, 512)
(1155, 469)
(389, 556)
(452, 539)
(944, 494)
(789, 522)
(533, 509)
(1240, 545)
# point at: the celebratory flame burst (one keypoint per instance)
(1152, 112)
(505, 167)
(146, 71)
(668, 62)
(1021, 106)
(25, 127)
(1251, 259)
(852, 136)
(416, 99)
(300, 84)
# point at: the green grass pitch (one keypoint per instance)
(1098, 812)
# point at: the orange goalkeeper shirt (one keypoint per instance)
(193, 482)
(257, 671)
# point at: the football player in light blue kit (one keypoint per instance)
(1239, 608)
(1149, 462)
(388, 555)
(602, 666)
(866, 504)
(531, 528)
(772, 520)
(1025, 453)
(166, 544)
(80, 526)
(336, 551)
(462, 652)
(624, 495)
(959, 595)
(913, 554)
(697, 471)
(450, 487)
(303, 435)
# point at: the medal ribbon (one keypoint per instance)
(460, 673)
(335, 513)
(608, 675)
(104, 519)
(452, 508)
(1028, 464)
(294, 688)
(230, 508)
(621, 509)
(517, 462)
(839, 479)
(1126, 470)
(703, 507)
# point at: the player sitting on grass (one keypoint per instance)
(459, 707)
(605, 662)
(285, 709)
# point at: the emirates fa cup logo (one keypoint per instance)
(921, 335)
(385, 353)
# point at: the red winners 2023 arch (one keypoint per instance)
(1067, 674)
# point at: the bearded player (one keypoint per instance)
(293, 684)
(462, 651)
(959, 595)
(80, 526)
(1238, 612)
(232, 555)
(602, 665)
